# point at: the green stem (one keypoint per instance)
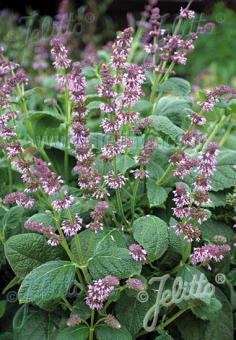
(135, 43)
(214, 132)
(66, 154)
(82, 266)
(118, 197)
(67, 304)
(164, 177)
(10, 176)
(227, 132)
(90, 246)
(47, 159)
(166, 323)
(91, 328)
(133, 200)
(175, 316)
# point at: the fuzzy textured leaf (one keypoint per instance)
(164, 125)
(114, 261)
(107, 333)
(50, 281)
(25, 252)
(152, 233)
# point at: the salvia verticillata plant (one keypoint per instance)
(118, 206)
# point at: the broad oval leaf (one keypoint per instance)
(25, 252)
(80, 332)
(114, 261)
(107, 333)
(152, 233)
(50, 281)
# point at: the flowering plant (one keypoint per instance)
(120, 177)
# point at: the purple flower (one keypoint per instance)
(206, 106)
(201, 183)
(137, 252)
(71, 229)
(114, 181)
(135, 284)
(13, 149)
(121, 47)
(132, 80)
(188, 231)
(73, 320)
(54, 240)
(20, 199)
(59, 53)
(65, 203)
(145, 153)
(49, 181)
(209, 252)
(186, 14)
(39, 227)
(106, 88)
(192, 138)
(207, 161)
(111, 321)
(183, 164)
(179, 57)
(97, 215)
(197, 119)
(76, 84)
(140, 174)
(99, 291)
(181, 196)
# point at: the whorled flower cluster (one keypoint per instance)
(99, 291)
(209, 252)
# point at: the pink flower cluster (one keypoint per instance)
(97, 215)
(137, 252)
(209, 252)
(99, 291)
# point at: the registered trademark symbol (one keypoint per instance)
(220, 278)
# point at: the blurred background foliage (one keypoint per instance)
(213, 61)
(94, 23)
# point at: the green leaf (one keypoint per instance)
(94, 106)
(207, 311)
(109, 238)
(35, 325)
(25, 252)
(80, 332)
(176, 86)
(50, 281)
(131, 312)
(174, 108)
(164, 336)
(124, 163)
(38, 115)
(114, 261)
(218, 328)
(3, 304)
(152, 233)
(105, 239)
(156, 195)
(79, 307)
(193, 274)
(211, 228)
(225, 175)
(45, 218)
(12, 221)
(165, 126)
(107, 333)
(143, 106)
